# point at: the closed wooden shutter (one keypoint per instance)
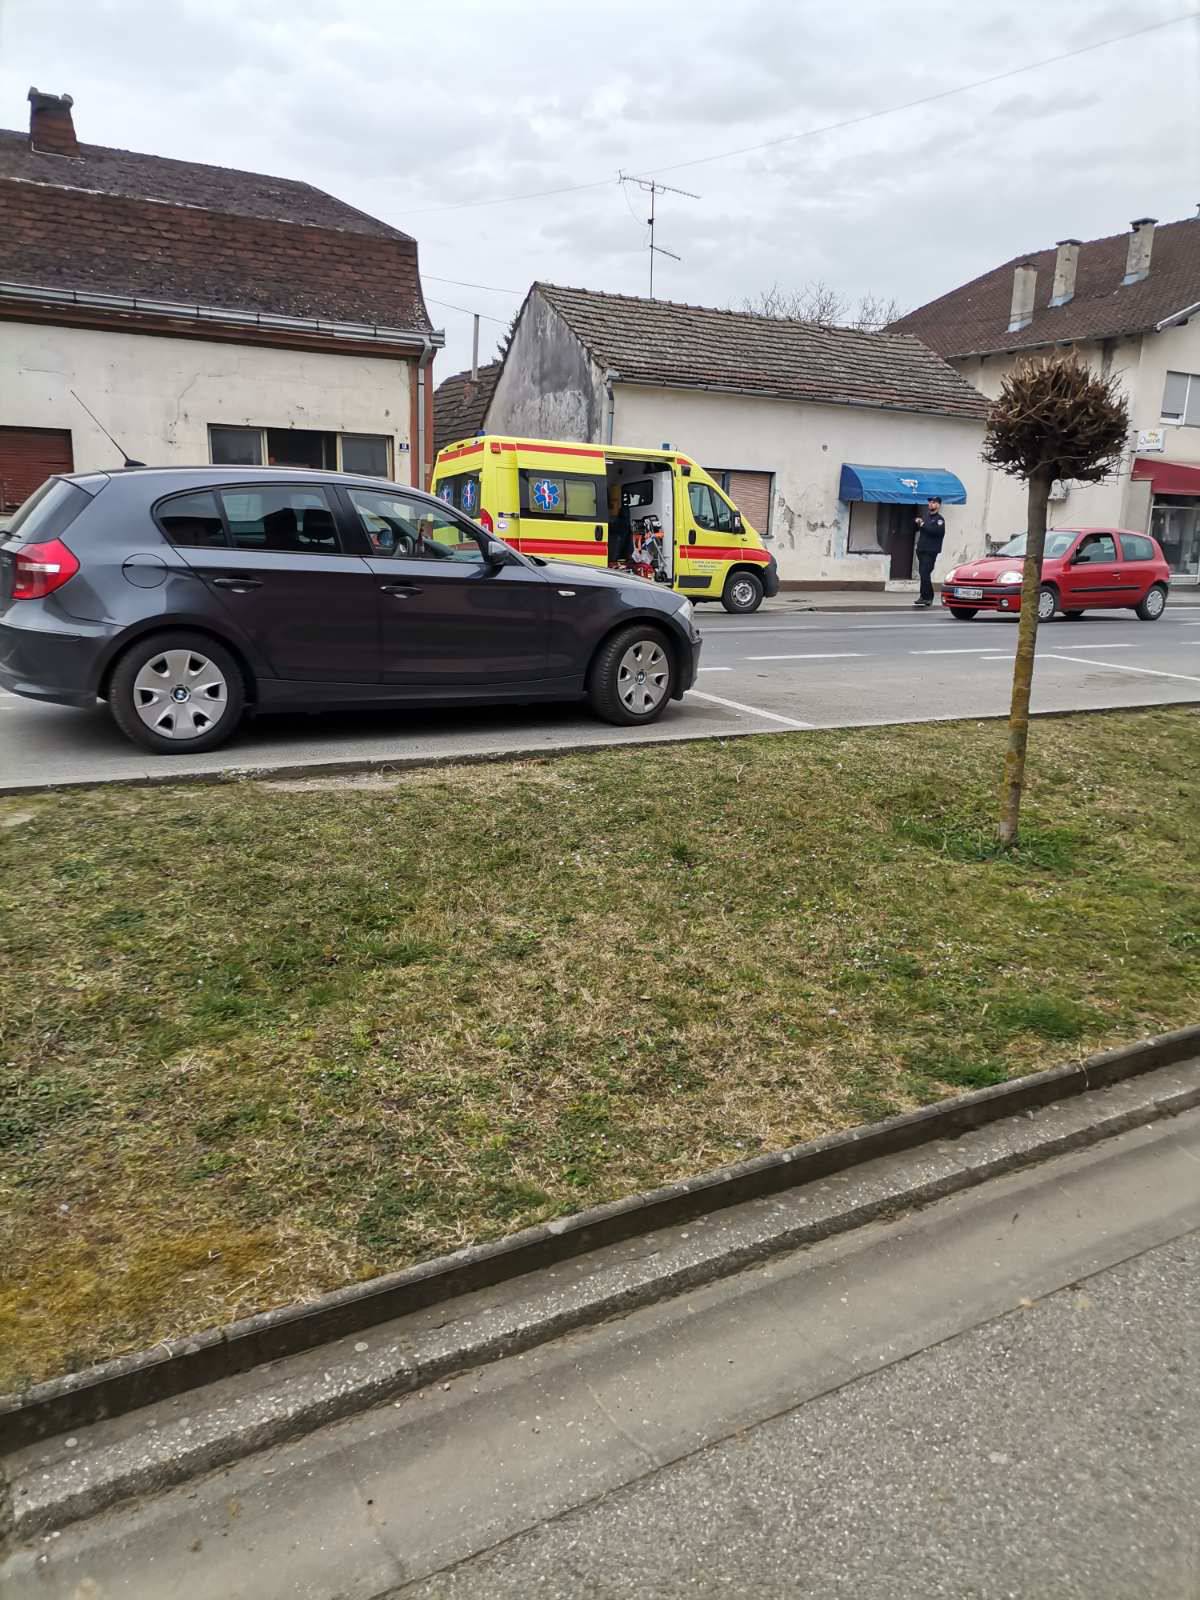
(28, 456)
(751, 494)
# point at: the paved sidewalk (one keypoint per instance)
(885, 600)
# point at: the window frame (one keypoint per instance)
(436, 507)
(1191, 398)
(527, 508)
(381, 438)
(1143, 538)
(238, 427)
(160, 505)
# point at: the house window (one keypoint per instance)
(1181, 399)
(366, 453)
(236, 447)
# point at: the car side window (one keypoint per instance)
(1098, 547)
(193, 520)
(1136, 548)
(403, 527)
(295, 520)
(700, 496)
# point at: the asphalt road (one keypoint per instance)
(991, 1399)
(777, 671)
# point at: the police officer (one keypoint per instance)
(931, 530)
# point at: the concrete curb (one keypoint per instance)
(67, 1481)
(396, 766)
(174, 1367)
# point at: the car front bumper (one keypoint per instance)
(993, 598)
(771, 579)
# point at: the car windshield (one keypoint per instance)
(1057, 544)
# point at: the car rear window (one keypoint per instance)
(47, 513)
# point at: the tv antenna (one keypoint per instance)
(653, 188)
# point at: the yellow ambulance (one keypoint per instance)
(559, 501)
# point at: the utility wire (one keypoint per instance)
(446, 306)
(460, 284)
(829, 127)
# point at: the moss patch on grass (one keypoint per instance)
(260, 1040)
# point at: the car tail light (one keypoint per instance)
(485, 521)
(39, 569)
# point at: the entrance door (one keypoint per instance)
(448, 619)
(899, 540)
(1175, 523)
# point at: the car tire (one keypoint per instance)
(743, 592)
(1072, 616)
(144, 696)
(632, 676)
(1047, 602)
(1153, 606)
(963, 613)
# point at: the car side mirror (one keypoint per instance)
(499, 555)
(738, 525)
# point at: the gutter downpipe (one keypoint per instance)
(610, 378)
(422, 365)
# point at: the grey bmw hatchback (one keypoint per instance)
(185, 597)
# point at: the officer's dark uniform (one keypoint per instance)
(929, 547)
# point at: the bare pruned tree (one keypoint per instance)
(821, 303)
(1053, 419)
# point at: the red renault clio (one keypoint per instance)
(1084, 569)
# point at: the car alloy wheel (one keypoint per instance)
(180, 694)
(1154, 604)
(643, 677)
(1047, 604)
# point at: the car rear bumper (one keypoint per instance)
(46, 662)
(992, 599)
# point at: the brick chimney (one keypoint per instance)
(51, 130)
(1024, 289)
(1066, 263)
(1141, 243)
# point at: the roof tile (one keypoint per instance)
(682, 346)
(973, 319)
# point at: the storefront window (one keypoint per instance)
(1175, 523)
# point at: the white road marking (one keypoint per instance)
(815, 655)
(997, 658)
(1116, 644)
(752, 711)
(975, 650)
(1115, 666)
(716, 669)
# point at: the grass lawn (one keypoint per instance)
(259, 1040)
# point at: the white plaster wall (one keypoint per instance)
(805, 446)
(157, 396)
(1142, 363)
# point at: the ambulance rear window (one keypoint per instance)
(460, 491)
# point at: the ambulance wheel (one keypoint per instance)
(632, 676)
(743, 592)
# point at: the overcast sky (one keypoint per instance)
(417, 111)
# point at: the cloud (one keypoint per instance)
(403, 109)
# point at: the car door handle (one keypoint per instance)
(599, 533)
(400, 589)
(238, 585)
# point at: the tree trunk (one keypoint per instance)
(1018, 716)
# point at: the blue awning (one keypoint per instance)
(900, 486)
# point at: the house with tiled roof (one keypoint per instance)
(1128, 305)
(460, 403)
(827, 439)
(199, 314)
